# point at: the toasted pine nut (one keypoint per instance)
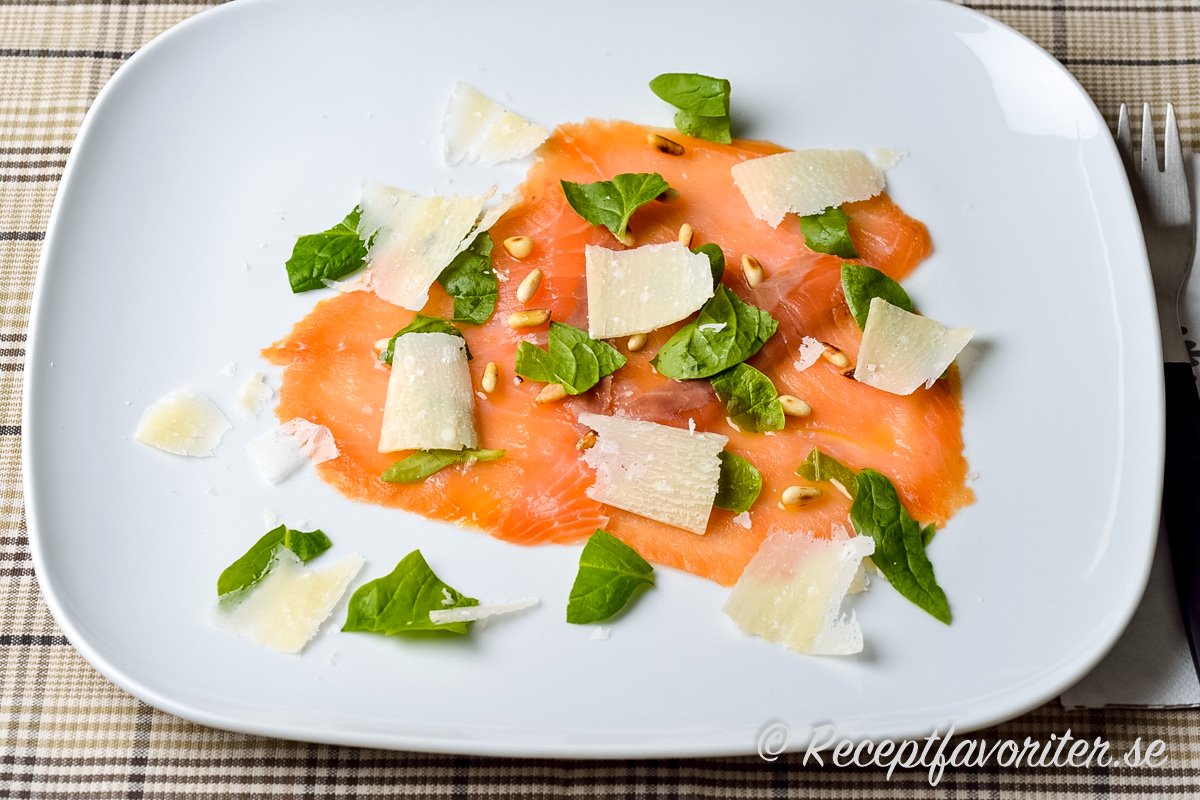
(587, 442)
(551, 393)
(518, 246)
(664, 145)
(686, 232)
(529, 286)
(667, 195)
(636, 342)
(530, 318)
(490, 374)
(794, 496)
(835, 356)
(627, 238)
(752, 269)
(793, 406)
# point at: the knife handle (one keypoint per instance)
(1181, 495)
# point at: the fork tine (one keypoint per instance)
(1172, 151)
(1124, 139)
(1149, 149)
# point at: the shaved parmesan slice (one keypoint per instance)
(184, 422)
(284, 611)
(316, 441)
(808, 353)
(886, 157)
(791, 593)
(415, 239)
(901, 351)
(492, 215)
(477, 128)
(283, 450)
(643, 289)
(805, 182)
(444, 616)
(429, 403)
(254, 394)
(655, 471)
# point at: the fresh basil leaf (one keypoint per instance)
(423, 463)
(471, 281)
(726, 333)
(400, 602)
(899, 543)
(928, 534)
(703, 104)
(714, 129)
(750, 398)
(829, 232)
(610, 571)
(739, 485)
(422, 324)
(612, 203)
(821, 467)
(574, 359)
(716, 260)
(256, 563)
(329, 255)
(860, 283)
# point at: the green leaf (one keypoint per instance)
(739, 485)
(421, 324)
(400, 602)
(423, 463)
(703, 103)
(821, 467)
(575, 360)
(750, 398)
(716, 260)
(829, 232)
(610, 571)
(714, 129)
(472, 282)
(329, 255)
(726, 333)
(612, 203)
(258, 560)
(860, 283)
(899, 543)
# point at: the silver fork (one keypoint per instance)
(1162, 198)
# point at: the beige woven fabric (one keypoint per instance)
(66, 732)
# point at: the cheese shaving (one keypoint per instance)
(805, 182)
(415, 239)
(792, 590)
(444, 616)
(254, 394)
(901, 351)
(284, 611)
(282, 450)
(656, 471)
(477, 128)
(643, 289)
(808, 353)
(430, 401)
(184, 422)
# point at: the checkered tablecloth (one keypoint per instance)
(67, 732)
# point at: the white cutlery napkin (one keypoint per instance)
(1151, 666)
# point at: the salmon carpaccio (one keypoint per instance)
(537, 492)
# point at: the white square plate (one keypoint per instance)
(224, 139)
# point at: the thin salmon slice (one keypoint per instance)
(537, 493)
